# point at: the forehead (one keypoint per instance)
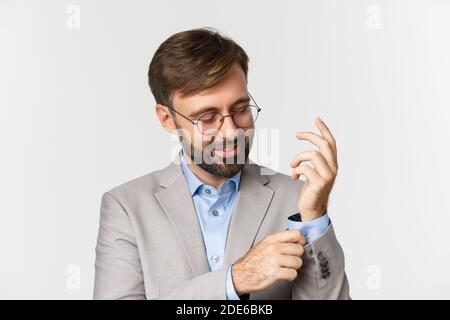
(229, 89)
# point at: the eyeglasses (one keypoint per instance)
(210, 123)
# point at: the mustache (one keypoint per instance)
(206, 156)
(227, 143)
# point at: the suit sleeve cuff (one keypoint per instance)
(311, 229)
(231, 293)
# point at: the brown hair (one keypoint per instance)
(191, 61)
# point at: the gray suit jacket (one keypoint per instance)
(150, 243)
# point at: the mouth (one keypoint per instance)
(229, 151)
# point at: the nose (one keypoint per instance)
(228, 129)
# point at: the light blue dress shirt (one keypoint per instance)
(214, 210)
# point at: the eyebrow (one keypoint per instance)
(213, 108)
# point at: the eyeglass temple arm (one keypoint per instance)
(170, 107)
(259, 109)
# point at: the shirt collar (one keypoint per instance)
(195, 183)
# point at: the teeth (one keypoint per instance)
(229, 147)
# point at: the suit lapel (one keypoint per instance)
(252, 203)
(177, 203)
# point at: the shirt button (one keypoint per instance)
(215, 259)
(215, 213)
(207, 191)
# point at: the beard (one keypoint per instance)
(209, 161)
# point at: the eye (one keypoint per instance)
(208, 117)
(242, 109)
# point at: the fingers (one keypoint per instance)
(325, 132)
(287, 236)
(317, 160)
(326, 137)
(325, 142)
(287, 261)
(286, 274)
(326, 149)
(313, 177)
(302, 240)
(292, 249)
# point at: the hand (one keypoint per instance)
(277, 257)
(320, 179)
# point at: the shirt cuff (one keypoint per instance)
(231, 293)
(311, 229)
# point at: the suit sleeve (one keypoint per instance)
(322, 276)
(118, 270)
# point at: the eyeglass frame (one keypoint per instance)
(195, 122)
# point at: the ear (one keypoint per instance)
(165, 118)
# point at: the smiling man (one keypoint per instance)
(212, 225)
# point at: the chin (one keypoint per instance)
(222, 170)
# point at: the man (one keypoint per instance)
(213, 224)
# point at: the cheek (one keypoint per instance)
(191, 137)
(201, 142)
(248, 136)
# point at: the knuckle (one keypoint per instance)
(302, 250)
(272, 272)
(270, 247)
(292, 274)
(300, 263)
(277, 274)
(273, 260)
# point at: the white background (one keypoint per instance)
(77, 118)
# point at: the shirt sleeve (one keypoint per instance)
(231, 293)
(311, 229)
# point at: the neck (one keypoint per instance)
(202, 175)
